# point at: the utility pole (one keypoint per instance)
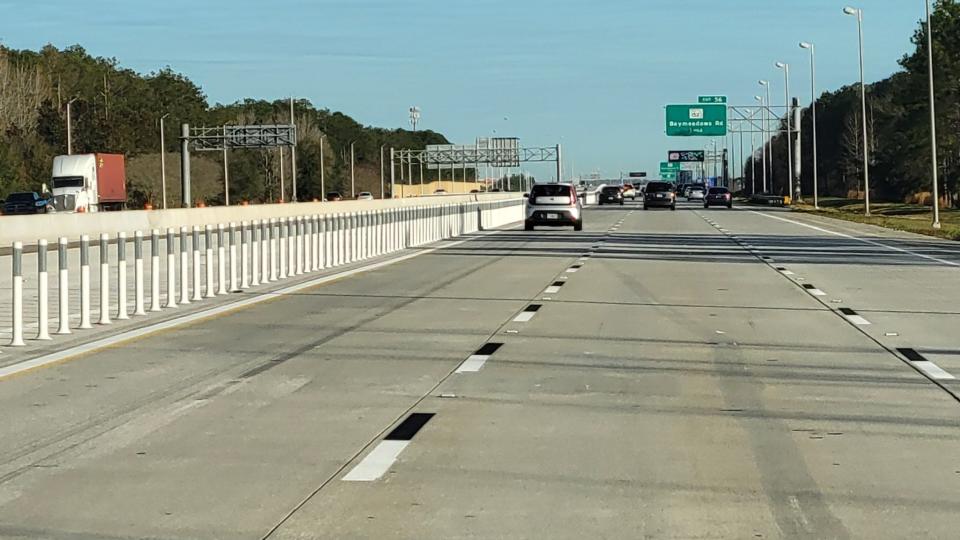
(293, 155)
(353, 189)
(226, 174)
(382, 178)
(163, 163)
(283, 194)
(323, 192)
(70, 128)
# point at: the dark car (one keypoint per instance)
(610, 195)
(27, 202)
(718, 196)
(334, 196)
(660, 194)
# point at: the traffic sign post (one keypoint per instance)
(669, 171)
(701, 120)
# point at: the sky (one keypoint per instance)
(593, 76)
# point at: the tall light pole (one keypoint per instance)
(933, 122)
(786, 92)
(163, 163)
(323, 192)
(353, 190)
(293, 158)
(382, 176)
(70, 128)
(767, 148)
(863, 104)
(813, 110)
(763, 135)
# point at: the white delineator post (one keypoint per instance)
(283, 247)
(122, 277)
(255, 253)
(17, 285)
(244, 257)
(63, 287)
(43, 292)
(232, 241)
(274, 243)
(138, 274)
(221, 261)
(104, 279)
(154, 270)
(298, 225)
(171, 268)
(85, 282)
(208, 260)
(184, 266)
(195, 247)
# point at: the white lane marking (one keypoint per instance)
(377, 462)
(864, 240)
(572, 270)
(816, 292)
(933, 370)
(473, 363)
(787, 273)
(122, 337)
(553, 289)
(524, 316)
(857, 319)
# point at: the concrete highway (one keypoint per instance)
(691, 374)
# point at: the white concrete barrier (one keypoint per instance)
(260, 251)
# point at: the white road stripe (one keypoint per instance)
(572, 270)
(473, 363)
(857, 319)
(787, 273)
(377, 462)
(524, 316)
(553, 289)
(864, 240)
(816, 292)
(933, 370)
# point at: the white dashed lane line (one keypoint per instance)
(920, 362)
(853, 317)
(527, 314)
(383, 456)
(813, 290)
(475, 362)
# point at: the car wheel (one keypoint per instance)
(729, 205)
(644, 207)
(621, 203)
(705, 205)
(578, 226)
(528, 226)
(674, 207)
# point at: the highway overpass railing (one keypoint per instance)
(152, 261)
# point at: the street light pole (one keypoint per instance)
(353, 190)
(163, 163)
(786, 77)
(863, 104)
(382, 178)
(813, 110)
(767, 144)
(70, 128)
(293, 157)
(323, 192)
(933, 123)
(763, 137)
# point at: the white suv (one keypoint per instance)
(553, 205)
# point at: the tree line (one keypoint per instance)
(898, 128)
(117, 110)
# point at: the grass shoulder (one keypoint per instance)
(897, 216)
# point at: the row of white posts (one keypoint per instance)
(269, 250)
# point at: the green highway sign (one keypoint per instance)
(666, 166)
(668, 175)
(712, 99)
(701, 120)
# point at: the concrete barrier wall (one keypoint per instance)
(30, 229)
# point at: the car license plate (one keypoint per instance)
(659, 195)
(553, 216)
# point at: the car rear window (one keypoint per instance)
(550, 190)
(718, 190)
(21, 197)
(611, 189)
(659, 186)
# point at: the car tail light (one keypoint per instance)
(573, 198)
(726, 196)
(81, 209)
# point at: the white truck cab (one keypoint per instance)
(89, 183)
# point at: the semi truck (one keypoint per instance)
(89, 183)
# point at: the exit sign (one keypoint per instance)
(712, 99)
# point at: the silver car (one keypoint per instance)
(553, 205)
(695, 193)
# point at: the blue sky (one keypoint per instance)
(593, 76)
